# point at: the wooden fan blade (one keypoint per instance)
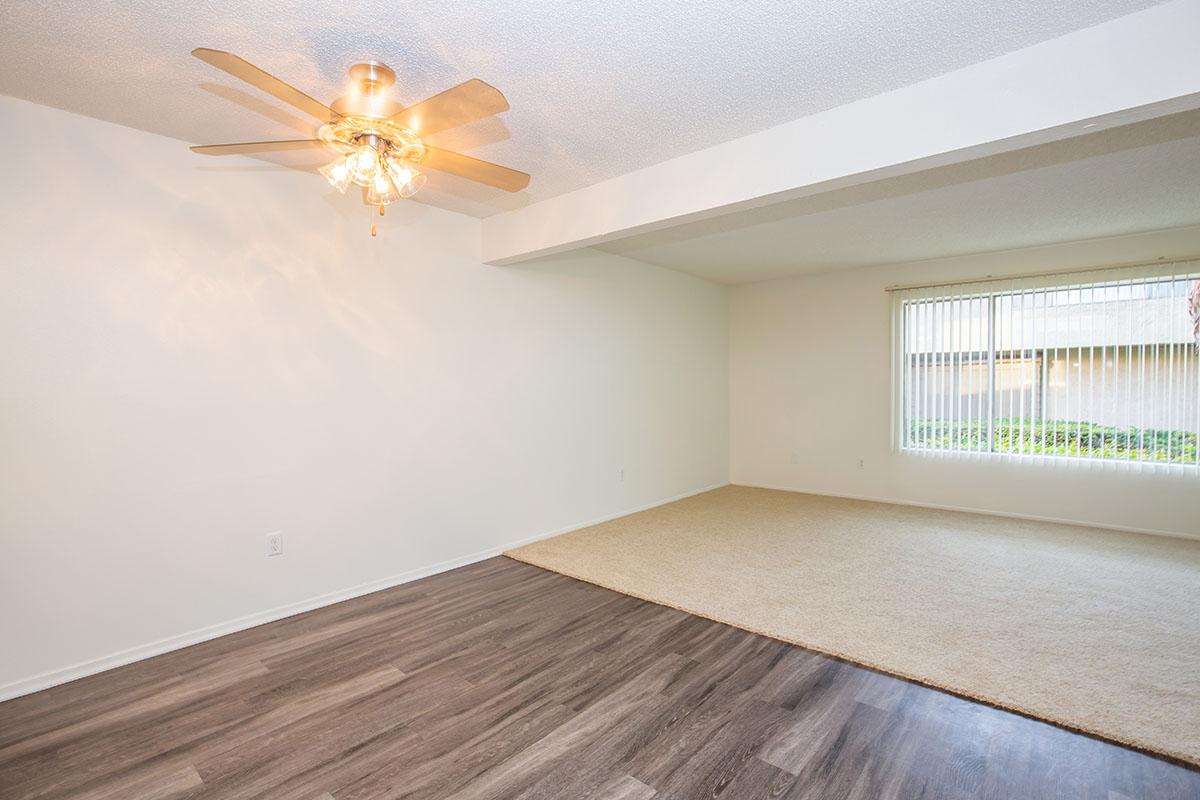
(456, 106)
(510, 180)
(243, 69)
(257, 147)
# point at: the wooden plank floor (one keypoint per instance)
(501, 681)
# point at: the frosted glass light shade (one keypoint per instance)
(337, 173)
(364, 165)
(382, 191)
(407, 179)
(413, 186)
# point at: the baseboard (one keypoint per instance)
(85, 668)
(969, 510)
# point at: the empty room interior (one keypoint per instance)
(510, 400)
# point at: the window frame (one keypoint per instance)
(990, 291)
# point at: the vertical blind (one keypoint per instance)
(1096, 368)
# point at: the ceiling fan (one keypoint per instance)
(379, 143)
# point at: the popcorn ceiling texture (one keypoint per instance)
(597, 89)
(1095, 630)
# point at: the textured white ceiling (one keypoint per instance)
(597, 89)
(1126, 180)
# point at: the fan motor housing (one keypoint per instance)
(369, 98)
(373, 72)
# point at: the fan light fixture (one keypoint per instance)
(376, 138)
(385, 177)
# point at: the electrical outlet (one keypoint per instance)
(274, 544)
(621, 474)
(795, 457)
(862, 464)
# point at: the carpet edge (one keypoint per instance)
(1182, 758)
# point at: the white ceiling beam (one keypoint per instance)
(1132, 68)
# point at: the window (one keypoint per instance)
(1099, 367)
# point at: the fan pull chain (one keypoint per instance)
(374, 230)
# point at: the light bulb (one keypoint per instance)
(337, 173)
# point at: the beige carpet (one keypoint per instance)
(1095, 630)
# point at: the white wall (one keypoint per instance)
(196, 352)
(810, 393)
